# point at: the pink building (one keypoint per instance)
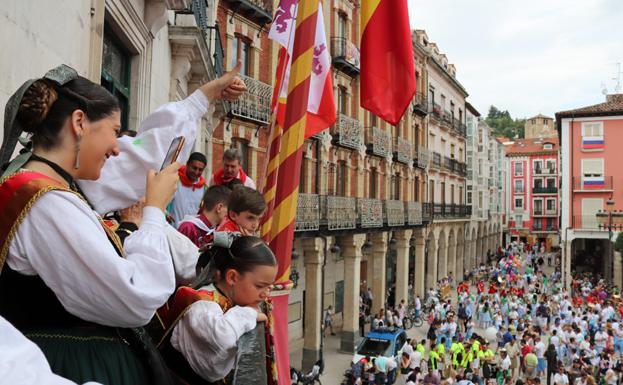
(532, 190)
(591, 141)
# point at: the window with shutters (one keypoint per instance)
(592, 167)
(592, 136)
(518, 168)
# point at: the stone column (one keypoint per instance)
(379, 254)
(431, 256)
(351, 250)
(442, 263)
(418, 274)
(313, 258)
(402, 265)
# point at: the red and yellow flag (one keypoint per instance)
(283, 169)
(387, 64)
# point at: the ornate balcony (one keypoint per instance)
(448, 164)
(347, 132)
(402, 151)
(370, 212)
(345, 56)
(436, 160)
(378, 142)
(447, 118)
(341, 213)
(308, 212)
(443, 210)
(395, 211)
(420, 104)
(545, 190)
(259, 11)
(423, 157)
(414, 212)
(253, 105)
(435, 110)
(427, 212)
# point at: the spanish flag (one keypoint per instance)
(387, 64)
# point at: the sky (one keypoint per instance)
(527, 56)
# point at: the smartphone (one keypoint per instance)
(174, 151)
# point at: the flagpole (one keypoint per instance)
(283, 216)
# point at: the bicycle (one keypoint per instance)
(411, 320)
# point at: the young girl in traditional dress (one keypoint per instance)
(206, 324)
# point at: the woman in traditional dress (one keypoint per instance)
(66, 282)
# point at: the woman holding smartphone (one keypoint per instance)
(66, 281)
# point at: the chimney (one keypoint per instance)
(614, 98)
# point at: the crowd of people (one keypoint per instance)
(513, 322)
(130, 271)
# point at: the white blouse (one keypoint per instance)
(62, 241)
(208, 338)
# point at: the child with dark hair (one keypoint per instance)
(202, 327)
(199, 228)
(245, 209)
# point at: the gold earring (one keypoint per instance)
(77, 162)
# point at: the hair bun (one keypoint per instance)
(36, 103)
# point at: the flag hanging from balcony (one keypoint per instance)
(304, 61)
(321, 103)
(387, 64)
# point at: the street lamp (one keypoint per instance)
(611, 220)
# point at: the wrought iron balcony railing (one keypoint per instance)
(592, 183)
(427, 212)
(414, 213)
(443, 210)
(420, 104)
(347, 132)
(370, 212)
(253, 105)
(448, 164)
(345, 56)
(341, 213)
(336, 213)
(423, 157)
(435, 110)
(436, 160)
(395, 212)
(308, 212)
(544, 190)
(402, 150)
(259, 11)
(378, 141)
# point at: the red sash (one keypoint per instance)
(179, 303)
(18, 193)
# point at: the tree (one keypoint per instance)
(503, 124)
(618, 243)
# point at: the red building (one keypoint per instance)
(592, 177)
(532, 190)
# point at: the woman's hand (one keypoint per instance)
(161, 186)
(227, 87)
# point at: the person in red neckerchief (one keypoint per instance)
(245, 209)
(190, 189)
(231, 170)
(480, 287)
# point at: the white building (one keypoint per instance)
(484, 186)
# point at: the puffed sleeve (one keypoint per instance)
(122, 179)
(62, 241)
(207, 337)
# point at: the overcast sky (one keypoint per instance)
(527, 56)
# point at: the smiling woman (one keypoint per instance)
(92, 293)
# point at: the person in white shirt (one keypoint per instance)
(560, 378)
